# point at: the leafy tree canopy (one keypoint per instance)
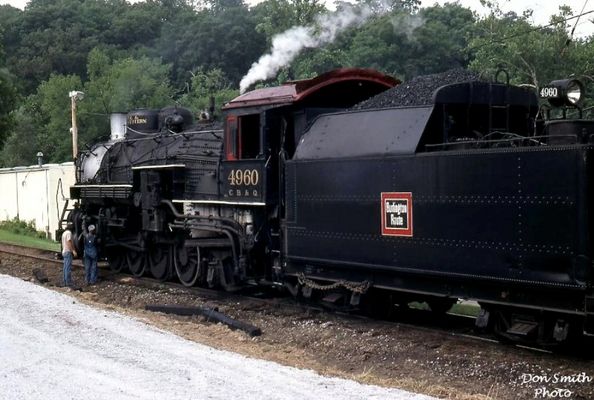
(532, 56)
(206, 85)
(118, 86)
(159, 52)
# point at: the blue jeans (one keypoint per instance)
(90, 270)
(68, 269)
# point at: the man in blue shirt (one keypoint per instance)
(90, 254)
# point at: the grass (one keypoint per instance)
(460, 308)
(25, 240)
(466, 309)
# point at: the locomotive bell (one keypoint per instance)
(174, 122)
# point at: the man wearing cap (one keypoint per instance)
(68, 251)
(90, 253)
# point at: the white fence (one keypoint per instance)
(36, 194)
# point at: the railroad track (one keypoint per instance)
(450, 324)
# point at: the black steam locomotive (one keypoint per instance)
(356, 189)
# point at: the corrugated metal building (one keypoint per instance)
(36, 193)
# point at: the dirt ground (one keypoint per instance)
(375, 352)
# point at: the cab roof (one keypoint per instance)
(353, 82)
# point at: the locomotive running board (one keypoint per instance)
(234, 203)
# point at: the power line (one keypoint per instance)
(578, 20)
(506, 38)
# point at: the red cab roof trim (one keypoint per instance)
(295, 91)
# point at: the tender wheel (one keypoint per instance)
(136, 262)
(117, 261)
(160, 263)
(187, 262)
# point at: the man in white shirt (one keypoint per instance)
(68, 252)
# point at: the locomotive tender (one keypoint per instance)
(465, 193)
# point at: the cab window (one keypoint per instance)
(249, 136)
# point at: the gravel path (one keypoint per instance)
(52, 347)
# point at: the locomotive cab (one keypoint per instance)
(262, 130)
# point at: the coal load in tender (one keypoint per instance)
(418, 91)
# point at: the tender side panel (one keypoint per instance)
(491, 216)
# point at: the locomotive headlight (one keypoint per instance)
(564, 92)
(575, 92)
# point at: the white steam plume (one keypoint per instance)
(287, 45)
(407, 24)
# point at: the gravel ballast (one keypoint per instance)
(389, 354)
(53, 347)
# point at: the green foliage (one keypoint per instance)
(55, 37)
(54, 138)
(441, 41)
(276, 16)
(19, 227)
(221, 38)
(118, 86)
(20, 147)
(128, 83)
(8, 100)
(533, 56)
(378, 45)
(154, 53)
(409, 44)
(43, 124)
(317, 61)
(207, 84)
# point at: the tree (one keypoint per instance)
(207, 84)
(317, 61)
(43, 124)
(276, 16)
(225, 39)
(378, 45)
(119, 86)
(533, 56)
(56, 36)
(406, 43)
(439, 41)
(54, 116)
(20, 147)
(8, 99)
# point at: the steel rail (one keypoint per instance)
(287, 302)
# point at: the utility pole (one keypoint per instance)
(74, 96)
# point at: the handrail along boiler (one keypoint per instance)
(472, 192)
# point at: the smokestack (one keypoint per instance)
(117, 122)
